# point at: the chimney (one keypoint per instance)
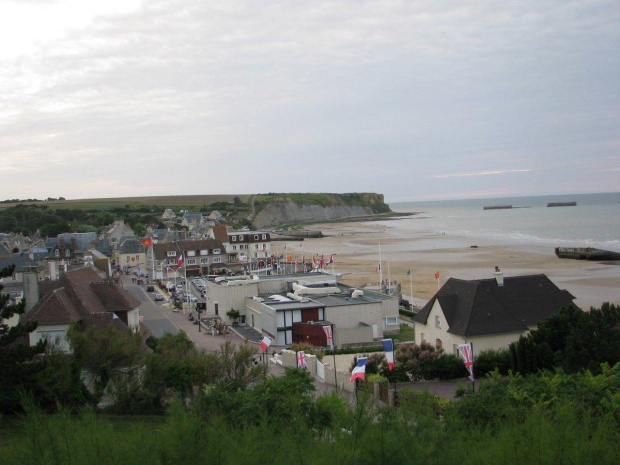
(499, 276)
(31, 288)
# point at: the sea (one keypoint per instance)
(593, 222)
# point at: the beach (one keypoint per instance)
(357, 247)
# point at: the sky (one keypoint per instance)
(416, 100)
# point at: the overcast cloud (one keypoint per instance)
(416, 100)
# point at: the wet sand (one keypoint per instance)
(355, 247)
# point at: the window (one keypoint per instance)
(264, 236)
(234, 238)
(191, 261)
(191, 253)
(264, 247)
(234, 247)
(438, 343)
(217, 260)
(391, 320)
(437, 321)
(127, 257)
(171, 253)
(204, 252)
(216, 251)
(255, 237)
(56, 338)
(204, 261)
(68, 253)
(57, 253)
(255, 246)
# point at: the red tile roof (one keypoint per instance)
(80, 294)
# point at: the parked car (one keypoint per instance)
(159, 298)
(192, 299)
(150, 288)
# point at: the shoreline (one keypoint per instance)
(355, 247)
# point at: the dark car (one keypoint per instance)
(150, 288)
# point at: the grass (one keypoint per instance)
(407, 334)
(189, 202)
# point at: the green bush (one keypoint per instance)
(489, 360)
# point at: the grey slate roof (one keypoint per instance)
(481, 307)
(129, 245)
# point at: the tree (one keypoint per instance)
(17, 357)
(104, 351)
(571, 339)
(233, 315)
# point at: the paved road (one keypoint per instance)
(159, 318)
(154, 313)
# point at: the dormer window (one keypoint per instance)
(171, 253)
(437, 321)
(234, 238)
(264, 236)
(255, 237)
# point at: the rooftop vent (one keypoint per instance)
(499, 276)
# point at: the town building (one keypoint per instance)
(287, 308)
(80, 297)
(200, 257)
(489, 313)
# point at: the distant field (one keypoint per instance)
(189, 202)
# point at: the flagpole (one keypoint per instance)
(334, 354)
(380, 270)
(389, 282)
(411, 283)
(153, 260)
(473, 381)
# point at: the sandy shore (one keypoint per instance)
(355, 247)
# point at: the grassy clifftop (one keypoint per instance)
(374, 202)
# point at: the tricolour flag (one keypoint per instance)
(378, 267)
(468, 358)
(265, 343)
(388, 347)
(322, 263)
(331, 260)
(359, 372)
(301, 360)
(147, 242)
(409, 272)
(180, 262)
(329, 336)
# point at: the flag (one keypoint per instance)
(285, 247)
(468, 358)
(409, 272)
(359, 372)
(329, 336)
(296, 266)
(265, 343)
(301, 360)
(378, 267)
(180, 260)
(331, 260)
(322, 263)
(281, 256)
(388, 347)
(313, 262)
(437, 275)
(147, 242)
